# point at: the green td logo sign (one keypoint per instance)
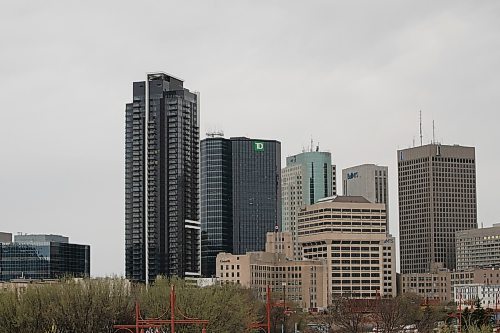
(258, 146)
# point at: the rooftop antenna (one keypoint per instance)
(433, 133)
(317, 147)
(413, 141)
(311, 148)
(421, 143)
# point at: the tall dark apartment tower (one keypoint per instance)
(437, 197)
(240, 196)
(256, 192)
(162, 228)
(216, 201)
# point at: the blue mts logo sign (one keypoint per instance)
(352, 175)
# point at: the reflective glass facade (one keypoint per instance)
(216, 201)
(43, 260)
(256, 189)
(307, 177)
(161, 180)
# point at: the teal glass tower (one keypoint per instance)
(307, 178)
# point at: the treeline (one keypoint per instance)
(94, 306)
(405, 313)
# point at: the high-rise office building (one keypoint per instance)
(368, 181)
(43, 257)
(240, 197)
(307, 177)
(256, 192)
(216, 201)
(162, 228)
(437, 198)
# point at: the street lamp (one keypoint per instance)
(283, 326)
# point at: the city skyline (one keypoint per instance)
(369, 72)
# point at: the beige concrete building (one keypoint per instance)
(478, 248)
(350, 233)
(439, 285)
(304, 281)
(280, 242)
(20, 285)
(437, 198)
(434, 287)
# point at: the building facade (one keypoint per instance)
(438, 286)
(437, 198)
(467, 295)
(280, 242)
(350, 233)
(300, 281)
(240, 195)
(256, 166)
(433, 287)
(162, 228)
(216, 201)
(478, 248)
(307, 177)
(43, 257)
(368, 181)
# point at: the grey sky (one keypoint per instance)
(351, 74)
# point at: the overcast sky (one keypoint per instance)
(352, 75)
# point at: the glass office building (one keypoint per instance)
(240, 196)
(256, 192)
(43, 257)
(307, 178)
(216, 201)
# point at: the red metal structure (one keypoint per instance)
(265, 325)
(158, 323)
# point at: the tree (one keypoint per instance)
(393, 314)
(95, 305)
(327, 318)
(429, 317)
(348, 314)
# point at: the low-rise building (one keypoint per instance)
(467, 295)
(478, 247)
(351, 234)
(42, 257)
(439, 285)
(433, 287)
(303, 282)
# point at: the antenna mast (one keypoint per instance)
(433, 133)
(421, 143)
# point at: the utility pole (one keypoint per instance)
(283, 326)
